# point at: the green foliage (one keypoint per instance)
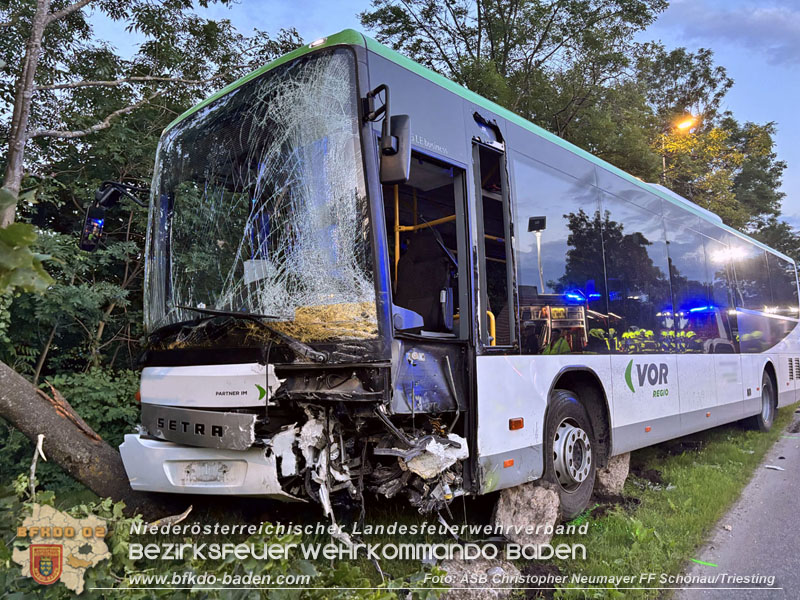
(20, 268)
(574, 68)
(781, 236)
(677, 82)
(104, 399)
(117, 571)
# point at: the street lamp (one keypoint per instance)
(683, 125)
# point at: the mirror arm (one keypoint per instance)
(388, 141)
(104, 196)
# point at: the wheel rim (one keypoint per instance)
(572, 454)
(766, 404)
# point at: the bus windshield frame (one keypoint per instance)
(259, 207)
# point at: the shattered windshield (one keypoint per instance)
(259, 207)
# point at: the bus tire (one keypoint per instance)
(769, 404)
(569, 456)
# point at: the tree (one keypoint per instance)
(781, 236)
(574, 68)
(543, 59)
(81, 114)
(679, 82)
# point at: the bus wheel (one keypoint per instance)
(569, 456)
(763, 420)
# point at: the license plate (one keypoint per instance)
(207, 471)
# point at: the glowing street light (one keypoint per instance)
(683, 126)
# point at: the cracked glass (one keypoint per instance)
(259, 207)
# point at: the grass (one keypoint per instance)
(676, 493)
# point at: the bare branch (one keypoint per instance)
(67, 10)
(104, 124)
(118, 82)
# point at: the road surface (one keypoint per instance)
(763, 538)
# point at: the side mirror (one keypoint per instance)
(92, 228)
(395, 145)
(106, 196)
(396, 150)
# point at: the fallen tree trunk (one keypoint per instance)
(71, 443)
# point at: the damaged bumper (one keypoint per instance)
(158, 466)
(318, 455)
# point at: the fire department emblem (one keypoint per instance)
(46, 562)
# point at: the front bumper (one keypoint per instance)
(158, 466)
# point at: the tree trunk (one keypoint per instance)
(71, 443)
(18, 135)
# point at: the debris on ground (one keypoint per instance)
(774, 468)
(464, 572)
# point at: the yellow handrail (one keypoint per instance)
(428, 223)
(396, 231)
(492, 329)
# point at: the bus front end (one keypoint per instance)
(268, 371)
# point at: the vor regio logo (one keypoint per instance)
(652, 374)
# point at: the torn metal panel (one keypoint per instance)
(311, 440)
(204, 428)
(282, 445)
(329, 454)
(437, 457)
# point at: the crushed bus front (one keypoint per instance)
(270, 369)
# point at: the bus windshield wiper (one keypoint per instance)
(294, 344)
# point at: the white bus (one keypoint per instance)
(347, 303)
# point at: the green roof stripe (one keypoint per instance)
(356, 38)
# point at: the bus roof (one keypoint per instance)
(351, 37)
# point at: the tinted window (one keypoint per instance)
(695, 319)
(783, 283)
(687, 264)
(560, 275)
(640, 303)
(752, 276)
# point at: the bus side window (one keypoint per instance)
(697, 265)
(640, 300)
(722, 284)
(491, 196)
(563, 305)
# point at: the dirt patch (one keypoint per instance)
(539, 569)
(651, 475)
(680, 446)
(794, 427)
(606, 503)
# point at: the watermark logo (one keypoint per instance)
(61, 546)
(46, 562)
